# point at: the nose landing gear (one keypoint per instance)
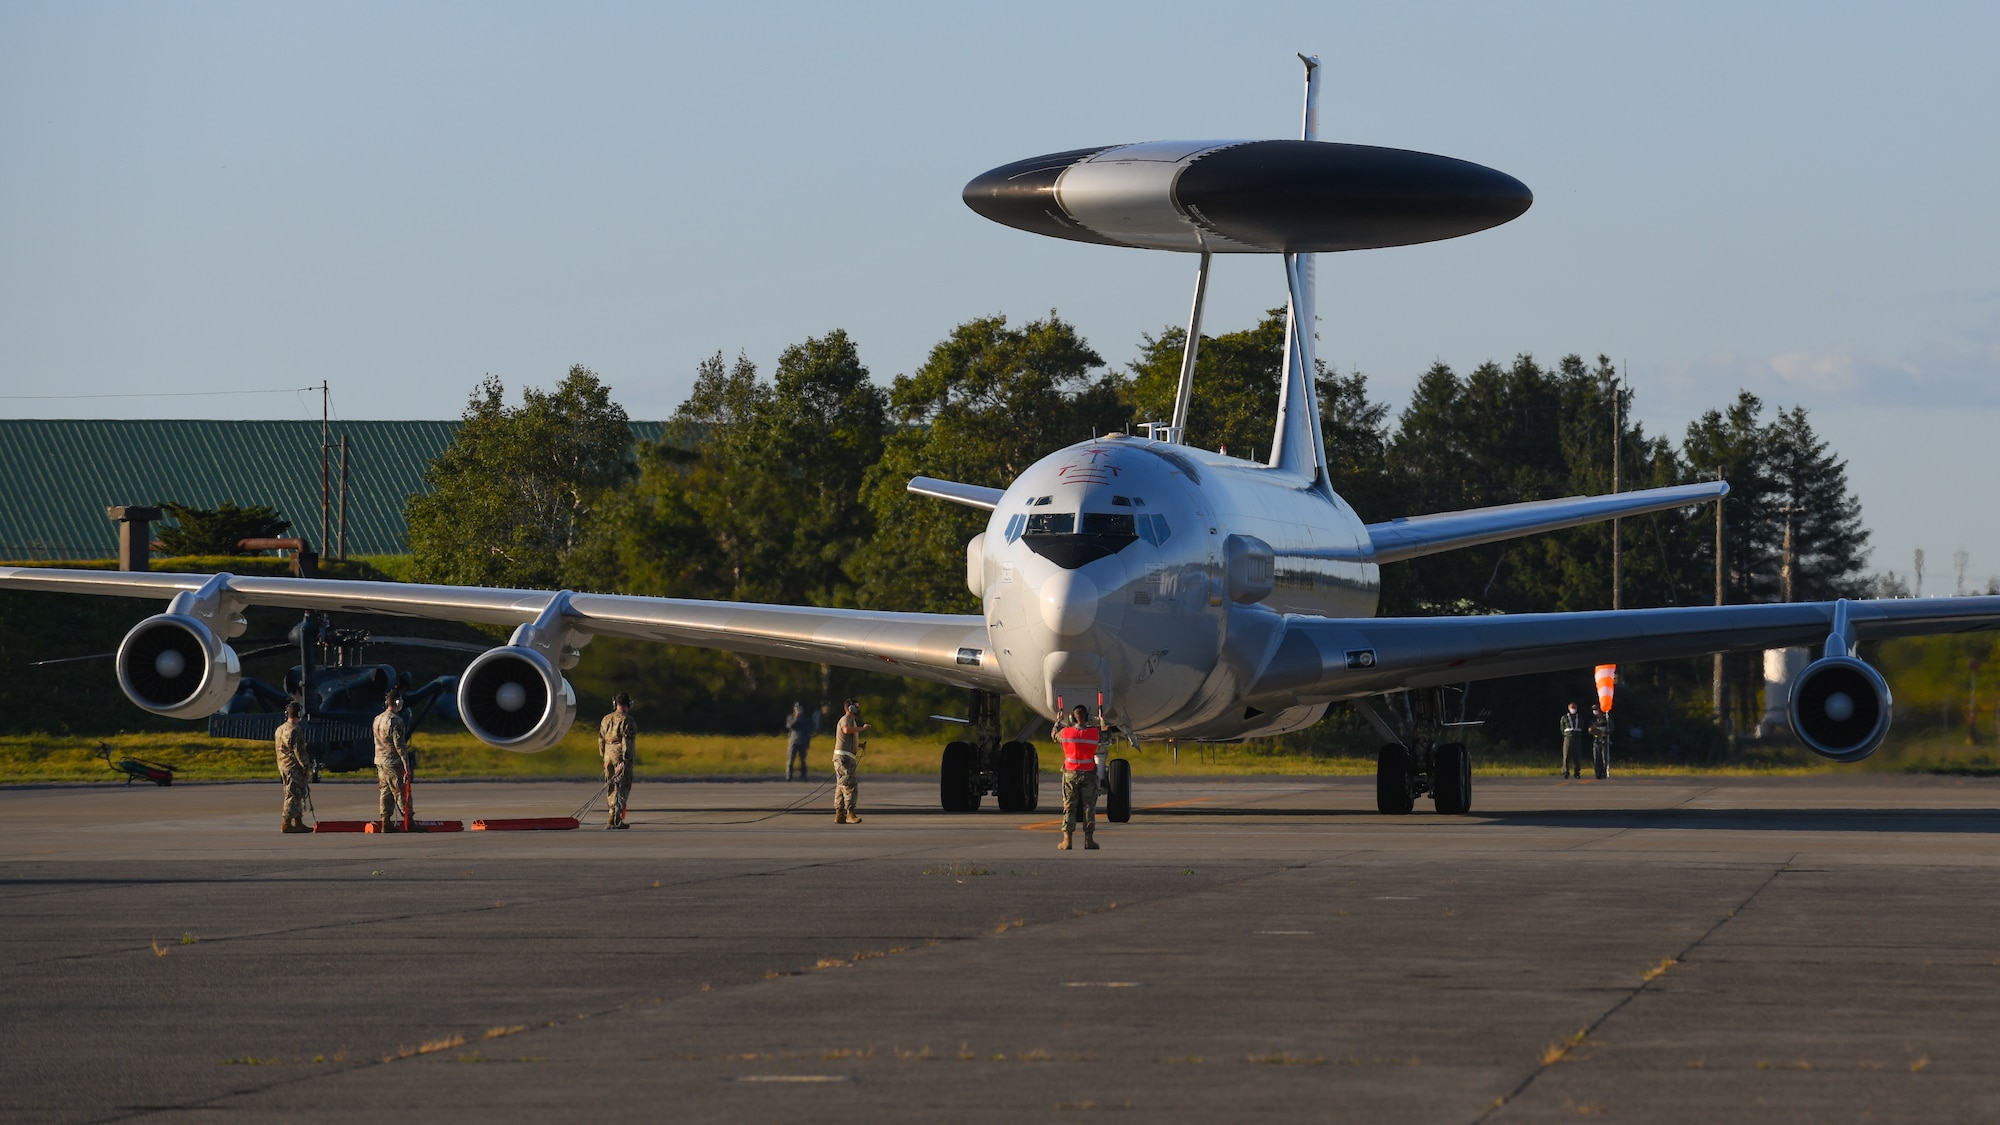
(969, 770)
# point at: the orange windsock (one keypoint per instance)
(1607, 678)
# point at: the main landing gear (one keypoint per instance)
(1011, 771)
(1442, 771)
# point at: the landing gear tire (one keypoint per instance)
(1392, 781)
(957, 791)
(1118, 791)
(1019, 778)
(1451, 785)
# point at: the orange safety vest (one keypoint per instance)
(1079, 747)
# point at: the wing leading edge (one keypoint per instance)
(1319, 660)
(944, 648)
(1416, 536)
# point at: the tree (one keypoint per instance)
(1356, 432)
(753, 495)
(1236, 383)
(988, 402)
(771, 474)
(510, 499)
(204, 531)
(1829, 545)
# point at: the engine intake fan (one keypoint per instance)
(1840, 708)
(513, 698)
(174, 665)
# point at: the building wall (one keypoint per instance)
(58, 476)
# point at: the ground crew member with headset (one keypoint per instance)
(846, 745)
(392, 764)
(1079, 780)
(292, 769)
(1573, 730)
(617, 742)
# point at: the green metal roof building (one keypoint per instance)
(58, 476)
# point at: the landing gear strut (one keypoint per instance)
(970, 770)
(1427, 767)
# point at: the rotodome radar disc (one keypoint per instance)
(1248, 197)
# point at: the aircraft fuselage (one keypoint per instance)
(1148, 578)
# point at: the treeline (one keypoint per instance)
(791, 489)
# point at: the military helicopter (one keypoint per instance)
(340, 691)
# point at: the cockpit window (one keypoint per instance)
(1121, 501)
(1040, 501)
(1054, 536)
(1108, 523)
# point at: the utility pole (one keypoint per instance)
(1617, 455)
(325, 500)
(1785, 559)
(1721, 685)
(343, 496)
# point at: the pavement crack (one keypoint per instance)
(1646, 982)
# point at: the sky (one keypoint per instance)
(207, 206)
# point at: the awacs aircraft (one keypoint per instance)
(1187, 594)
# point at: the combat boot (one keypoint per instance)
(1064, 846)
(840, 816)
(1089, 840)
(852, 819)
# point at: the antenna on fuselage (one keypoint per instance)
(1297, 445)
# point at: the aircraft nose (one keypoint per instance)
(1069, 603)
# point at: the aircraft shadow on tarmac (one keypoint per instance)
(1980, 821)
(1984, 821)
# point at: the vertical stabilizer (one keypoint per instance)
(1297, 447)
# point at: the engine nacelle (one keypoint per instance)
(174, 665)
(1840, 708)
(513, 698)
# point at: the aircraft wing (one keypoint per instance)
(1415, 536)
(945, 648)
(970, 495)
(1320, 659)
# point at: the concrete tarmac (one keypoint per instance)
(1784, 949)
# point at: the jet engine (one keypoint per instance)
(175, 665)
(1840, 708)
(513, 698)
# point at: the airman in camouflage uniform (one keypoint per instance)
(617, 741)
(293, 770)
(392, 763)
(847, 743)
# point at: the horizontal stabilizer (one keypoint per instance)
(970, 495)
(1416, 536)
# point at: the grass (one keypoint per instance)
(197, 757)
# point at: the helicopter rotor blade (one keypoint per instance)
(71, 659)
(108, 655)
(429, 642)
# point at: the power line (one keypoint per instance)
(167, 394)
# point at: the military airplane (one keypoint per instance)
(340, 691)
(1185, 594)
